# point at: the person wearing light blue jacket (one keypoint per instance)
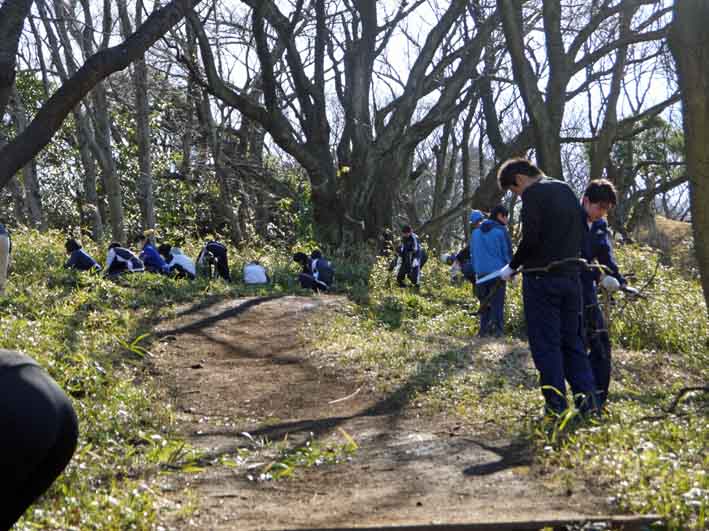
(491, 251)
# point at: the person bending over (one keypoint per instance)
(120, 260)
(178, 264)
(79, 259)
(215, 252)
(150, 256)
(412, 257)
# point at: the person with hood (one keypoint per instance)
(412, 258)
(150, 256)
(476, 219)
(178, 264)
(215, 252)
(492, 250)
(5, 249)
(79, 259)
(120, 260)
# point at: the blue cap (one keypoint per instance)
(476, 216)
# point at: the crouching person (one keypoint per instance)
(316, 272)
(178, 264)
(120, 260)
(255, 273)
(214, 254)
(79, 259)
(39, 433)
(152, 261)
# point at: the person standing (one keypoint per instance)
(598, 198)
(476, 218)
(5, 249)
(552, 234)
(413, 258)
(492, 250)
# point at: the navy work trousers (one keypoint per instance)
(599, 347)
(492, 311)
(553, 311)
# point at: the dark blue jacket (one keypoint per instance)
(596, 245)
(409, 250)
(152, 260)
(82, 261)
(492, 247)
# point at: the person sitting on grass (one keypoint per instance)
(120, 260)
(79, 259)
(150, 256)
(178, 264)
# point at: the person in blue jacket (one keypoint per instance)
(492, 250)
(412, 257)
(153, 262)
(598, 198)
(476, 218)
(79, 259)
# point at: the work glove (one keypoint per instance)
(633, 292)
(610, 284)
(415, 262)
(506, 272)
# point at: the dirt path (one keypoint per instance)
(242, 366)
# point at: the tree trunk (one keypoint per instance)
(139, 77)
(33, 199)
(689, 43)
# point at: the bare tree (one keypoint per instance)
(689, 43)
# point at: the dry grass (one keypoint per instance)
(673, 239)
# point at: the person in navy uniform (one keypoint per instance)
(492, 250)
(213, 250)
(152, 261)
(79, 259)
(598, 198)
(120, 260)
(413, 257)
(552, 235)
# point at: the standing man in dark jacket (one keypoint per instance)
(552, 235)
(598, 198)
(492, 250)
(5, 249)
(413, 258)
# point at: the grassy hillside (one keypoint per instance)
(88, 333)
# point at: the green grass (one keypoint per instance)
(89, 334)
(419, 348)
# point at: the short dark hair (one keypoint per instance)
(497, 210)
(406, 228)
(114, 245)
(164, 249)
(300, 258)
(601, 191)
(316, 254)
(72, 245)
(507, 174)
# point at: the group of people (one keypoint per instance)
(165, 259)
(561, 238)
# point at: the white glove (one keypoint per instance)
(506, 272)
(633, 292)
(610, 284)
(415, 262)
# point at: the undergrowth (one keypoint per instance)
(420, 348)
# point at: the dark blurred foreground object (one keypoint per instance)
(38, 434)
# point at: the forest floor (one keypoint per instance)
(249, 392)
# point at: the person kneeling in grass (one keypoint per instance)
(120, 260)
(178, 264)
(79, 259)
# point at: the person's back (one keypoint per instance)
(492, 248)
(152, 261)
(552, 222)
(121, 260)
(218, 253)
(79, 259)
(255, 273)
